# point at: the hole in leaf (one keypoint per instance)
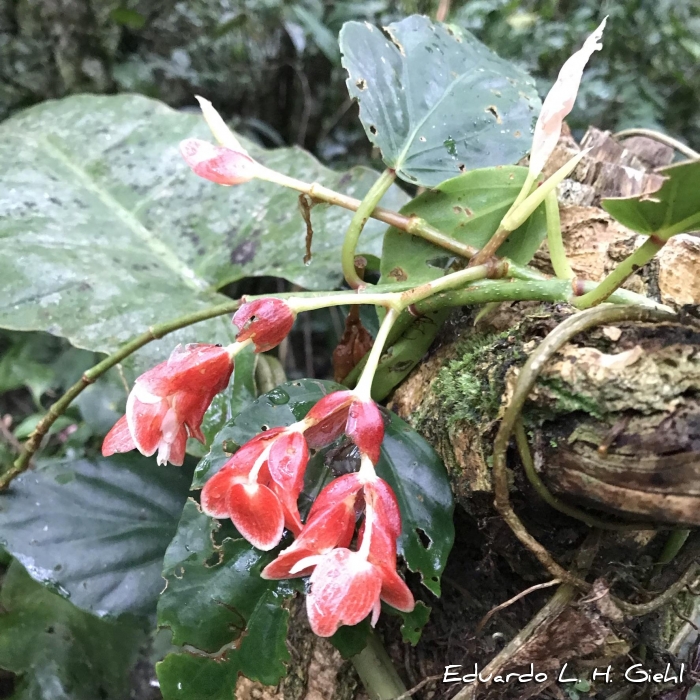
(372, 129)
(361, 84)
(213, 560)
(423, 537)
(517, 133)
(441, 262)
(462, 168)
(264, 427)
(493, 111)
(50, 630)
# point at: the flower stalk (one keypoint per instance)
(557, 254)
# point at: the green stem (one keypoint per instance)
(56, 409)
(673, 545)
(554, 290)
(376, 671)
(523, 207)
(364, 386)
(557, 254)
(359, 219)
(617, 277)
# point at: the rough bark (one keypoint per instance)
(614, 428)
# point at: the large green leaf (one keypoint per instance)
(214, 596)
(675, 208)
(469, 208)
(58, 651)
(106, 231)
(435, 100)
(96, 530)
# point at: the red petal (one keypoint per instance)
(330, 528)
(215, 492)
(279, 568)
(288, 500)
(266, 321)
(342, 489)
(395, 592)
(287, 461)
(329, 416)
(386, 507)
(344, 590)
(257, 514)
(196, 369)
(145, 421)
(118, 439)
(365, 427)
(245, 457)
(218, 164)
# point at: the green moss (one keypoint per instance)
(471, 387)
(566, 401)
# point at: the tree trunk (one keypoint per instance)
(613, 425)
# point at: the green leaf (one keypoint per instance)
(418, 477)
(213, 595)
(107, 232)
(58, 651)
(262, 656)
(469, 208)
(435, 100)
(350, 640)
(414, 622)
(95, 530)
(673, 209)
(212, 589)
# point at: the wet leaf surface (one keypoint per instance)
(95, 531)
(435, 100)
(107, 232)
(58, 651)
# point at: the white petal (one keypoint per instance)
(560, 101)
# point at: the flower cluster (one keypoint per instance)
(259, 486)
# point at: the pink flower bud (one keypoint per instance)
(218, 164)
(167, 403)
(345, 411)
(266, 321)
(559, 102)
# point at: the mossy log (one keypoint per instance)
(613, 425)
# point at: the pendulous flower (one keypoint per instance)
(259, 486)
(347, 585)
(168, 402)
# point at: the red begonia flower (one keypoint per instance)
(223, 166)
(345, 588)
(167, 403)
(259, 486)
(266, 321)
(331, 523)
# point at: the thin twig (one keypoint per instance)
(410, 693)
(661, 138)
(514, 599)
